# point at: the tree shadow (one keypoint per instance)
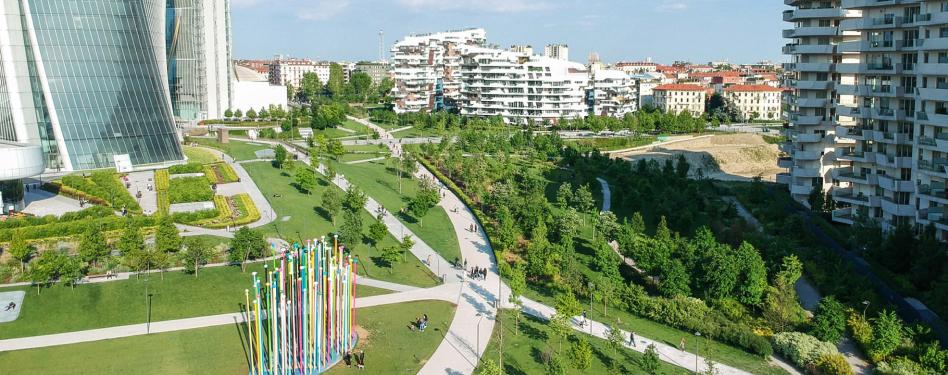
(322, 212)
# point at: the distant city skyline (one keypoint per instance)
(737, 31)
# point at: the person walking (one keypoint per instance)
(632, 338)
(681, 344)
(362, 360)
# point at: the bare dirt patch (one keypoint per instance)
(724, 157)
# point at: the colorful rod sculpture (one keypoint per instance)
(302, 312)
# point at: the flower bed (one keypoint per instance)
(232, 211)
(220, 173)
(162, 184)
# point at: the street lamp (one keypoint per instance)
(697, 349)
(865, 307)
(477, 349)
(590, 285)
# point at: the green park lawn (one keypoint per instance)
(522, 351)
(236, 149)
(416, 132)
(390, 348)
(380, 183)
(200, 155)
(366, 149)
(299, 216)
(216, 290)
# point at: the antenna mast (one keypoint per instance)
(381, 48)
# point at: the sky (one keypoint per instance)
(738, 31)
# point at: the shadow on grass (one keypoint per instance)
(242, 335)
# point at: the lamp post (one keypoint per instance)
(590, 285)
(865, 307)
(697, 349)
(477, 349)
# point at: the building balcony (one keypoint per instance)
(812, 85)
(807, 137)
(896, 185)
(802, 172)
(786, 147)
(811, 102)
(854, 4)
(785, 162)
(893, 208)
(811, 31)
(893, 138)
(850, 132)
(854, 156)
(848, 195)
(802, 14)
(807, 120)
(931, 68)
(936, 193)
(848, 175)
(844, 216)
(784, 178)
(932, 44)
(932, 118)
(807, 155)
(871, 90)
(810, 67)
(803, 190)
(869, 46)
(848, 111)
(937, 167)
(869, 68)
(890, 161)
(809, 49)
(937, 94)
(934, 215)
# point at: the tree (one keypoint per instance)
(247, 244)
(780, 307)
(555, 366)
(385, 86)
(131, 240)
(238, 114)
(615, 339)
(310, 87)
(305, 180)
(332, 203)
(886, 335)
(406, 244)
(650, 361)
(48, 267)
(167, 238)
(361, 83)
(378, 231)
(196, 253)
(424, 201)
(263, 114)
(581, 353)
(350, 233)
(337, 81)
(518, 285)
(607, 225)
(564, 195)
(228, 114)
(19, 250)
(560, 327)
(638, 223)
(390, 255)
(92, 246)
(489, 367)
(752, 278)
(252, 114)
(71, 271)
(161, 261)
(829, 323)
(354, 200)
(279, 156)
(583, 201)
(816, 199)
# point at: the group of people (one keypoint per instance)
(359, 359)
(421, 323)
(478, 273)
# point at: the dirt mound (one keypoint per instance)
(726, 157)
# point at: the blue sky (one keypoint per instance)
(665, 30)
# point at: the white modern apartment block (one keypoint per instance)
(522, 88)
(890, 74)
(289, 71)
(426, 69)
(522, 48)
(557, 51)
(677, 98)
(612, 93)
(756, 101)
(199, 58)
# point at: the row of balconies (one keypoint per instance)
(810, 31)
(809, 49)
(937, 167)
(935, 192)
(813, 13)
(877, 90)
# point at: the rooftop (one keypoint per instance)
(679, 87)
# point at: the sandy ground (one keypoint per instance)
(724, 157)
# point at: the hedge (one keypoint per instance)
(190, 189)
(833, 364)
(246, 212)
(220, 173)
(75, 227)
(802, 349)
(192, 217)
(96, 189)
(162, 184)
(27, 221)
(186, 168)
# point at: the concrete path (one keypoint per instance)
(41, 203)
(140, 182)
(446, 293)
(364, 161)
(606, 194)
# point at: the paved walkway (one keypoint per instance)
(140, 182)
(41, 203)
(606, 194)
(364, 160)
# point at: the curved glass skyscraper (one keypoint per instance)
(87, 80)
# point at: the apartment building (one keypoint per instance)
(886, 80)
(375, 69)
(612, 93)
(756, 101)
(676, 98)
(521, 88)
(557, 51)
(637, 67)
(522, 48)
(426, 69)
(289, 71)
(199, 58)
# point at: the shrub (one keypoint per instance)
(190, 189)
(833, 364)
(186, 168)
(861, 330)
(901, 366)
(829, 324)
(102, 188)
(800, 348)
(191, 217)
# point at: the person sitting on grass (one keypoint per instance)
(10, 306)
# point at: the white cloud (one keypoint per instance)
(672, 6)
(495, 6)
(323, 9)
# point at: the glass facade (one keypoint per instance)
(186, 64)
(103, 64)
(7, 131)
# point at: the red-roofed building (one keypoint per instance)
(756, 101)
(637, 67)
(676, 98)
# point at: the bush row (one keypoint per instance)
(190, 189)
(220, 173)
(73, 228)
(91, 212)
(101, 188)
(162, 184)
(244, 208)
(193, 217)
(109, 182)
(802, 349)
(186, 168)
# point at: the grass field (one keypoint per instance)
(390, 348)
(381, 184)
(299, 216)
(522, 351)
(236, 149)
(200, 155)
(416, 132)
